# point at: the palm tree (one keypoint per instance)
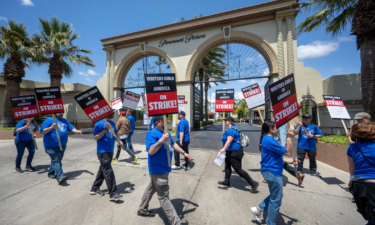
(213, 70)
(241, 108)
(56, 41)
(336, 16)
(161, 61)
(15, 50)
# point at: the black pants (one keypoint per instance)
(301, 156)
(105, 173)
(364, 196)
(234, 159)
(185, 147)
(290, 169)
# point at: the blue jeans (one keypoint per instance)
(56, 157)
(125, 148)
(273, 202)
(130, 145)
(21, 145)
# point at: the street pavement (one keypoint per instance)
(33, 198)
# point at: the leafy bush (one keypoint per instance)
(335, 139)
(7, 128)
(204, 123)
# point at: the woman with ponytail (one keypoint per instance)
(272, 164)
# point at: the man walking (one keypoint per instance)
(159, 171)
(123, 128)
(307, 135)
(132, 122)
(183, 140)
(105, 142)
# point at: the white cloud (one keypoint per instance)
(250, 59)
(27, 2)
(266, 72)
(238, 95)
(338, 70)
(89, 79)
(316, 49)
(345, 39)
(242, 81)
(3, 18)
(92, 72)
(83, 74)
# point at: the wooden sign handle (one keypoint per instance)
(114, 135)
(32, 135)
(346, 130)
(293, 154)
(57, 132)
(167, 142)
(223, 122)
(261, 117)
(127, 113)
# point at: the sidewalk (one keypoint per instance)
(32, 198)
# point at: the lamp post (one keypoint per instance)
(200, 70)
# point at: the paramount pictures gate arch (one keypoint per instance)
(269, 28)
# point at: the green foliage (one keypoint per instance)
(7, 128)
(334, 15)
(138, 115)
(205, 123)
(335, 139)
(240, 108)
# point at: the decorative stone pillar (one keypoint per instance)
(290, 53)
(280, 46)
(108, 76)
(111, 90)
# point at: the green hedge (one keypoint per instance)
(335, 139)
(204, 123)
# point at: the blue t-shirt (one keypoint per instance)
(272, 156)
(158, 162)
(303, 141)
(25, 135)
(107, 142)
(183, 126)
(132, 121)
(362, 167)
(50, 138)
(234, 145)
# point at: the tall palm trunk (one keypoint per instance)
(206, 102)
(368, 75)
(56, 69)
(13, 73)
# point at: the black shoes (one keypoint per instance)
(225, 183)
(30, 168)
(115, 197)
(148, 214)
(97, 192)
(254, 187)
(62, 179)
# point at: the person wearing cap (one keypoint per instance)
(307, 135)
(123, 130)
(105, 143)
(362, 117)
(132, 122)
(159, 170)
(234, 153)
(183, 140)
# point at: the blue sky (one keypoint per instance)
(95, 20)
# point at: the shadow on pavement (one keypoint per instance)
(280, 219)
(238, 183)
(129, 160)
(74, 174)
(121, 188)
(42, 168)
(179, 206)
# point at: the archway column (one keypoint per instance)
(280, 46)
(289, 27)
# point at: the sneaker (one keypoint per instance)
(300, 178)
(148, 214)
(114, 160)
(18, 170)
(62, 179)
(264, 181)
(174, 167)
(135, 160)
(115, 197)
(254, 187)
(30, 168)
(225, 183)
(97, 192)
(257, 213)
(52, 176)
(187, 168)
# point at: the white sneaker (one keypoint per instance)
(183, 167)
(187, 168)
(174, 167)
(257, 213)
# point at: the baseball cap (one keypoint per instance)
(229, 118)
(121, 113)
(156, 118)
(182, 113)
(307, 116)
(362, 115)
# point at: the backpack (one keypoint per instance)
(244, 138)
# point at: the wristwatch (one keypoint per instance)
(183, 153)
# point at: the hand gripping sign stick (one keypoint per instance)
(167, 142)
(32, 135)
(57, 132)
(114, 135)
(346, 130)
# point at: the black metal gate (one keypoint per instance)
(197, 105)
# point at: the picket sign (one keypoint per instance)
(223, 122)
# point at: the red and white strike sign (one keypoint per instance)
(253, 96)
(224, 100)
(24, 106)
(181, 103)
(131, 100)
(284, 100)
(161, 94)
(116, 103)
(93, 104)
(49, 100)
(336, 107)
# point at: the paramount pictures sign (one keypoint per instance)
(185, 39)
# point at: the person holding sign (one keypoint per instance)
(123, 127)
(362, 117)
(105, 143)
(51, 143)
(272, 171)
(159, 170)
(24, 139)
(183, 140)
(234, 153)
(307, 142)
(132, 122)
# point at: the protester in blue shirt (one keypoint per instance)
(272, 164)
(234, 154)
(307, 135)
(132, 122)
(51, 143)
(183, 140)
(361, 158)
(159, 171)
(23, 140)
(105, 143)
